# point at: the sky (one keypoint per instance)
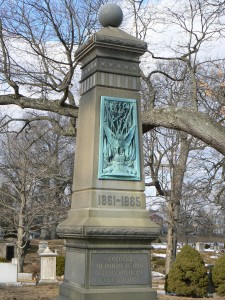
(165, 33)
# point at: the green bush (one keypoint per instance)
(158, 261)
(207, 246)
(3, 260)
(218, 275)
(60, 265)
(221, 289)
(188, 275)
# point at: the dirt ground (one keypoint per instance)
(49, 292)
(38, 292)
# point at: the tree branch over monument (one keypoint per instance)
(198, 124)
(38, 63)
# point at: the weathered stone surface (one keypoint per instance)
(110, 14)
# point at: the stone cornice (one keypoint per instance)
(125, 232)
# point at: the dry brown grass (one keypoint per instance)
(39, 292)
(49, 292)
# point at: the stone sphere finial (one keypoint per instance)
(110, 14)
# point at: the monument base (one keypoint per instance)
(70, 292)
(107, 269)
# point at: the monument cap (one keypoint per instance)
(110, 14)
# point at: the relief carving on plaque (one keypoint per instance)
(119, 146)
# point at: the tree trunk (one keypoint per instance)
(20, 234)
(175, 199)
(20, 251)
(170, 242)
(186, 238)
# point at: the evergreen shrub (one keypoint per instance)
(60, 265)
(221, 289)
(207, 246)
(188, 275)
(158, 261)
(218, 275)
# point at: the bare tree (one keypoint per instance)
(169, 150)
(38, 41)
(199, 23)
(48, 32)
(184, 91)
(36, 183)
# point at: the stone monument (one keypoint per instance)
(42, 246)
(108, 232)
(200, 247)
(48, 267)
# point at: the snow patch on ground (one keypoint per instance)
(159, 246)
(159, 255)
(157, 274)
(213, 256)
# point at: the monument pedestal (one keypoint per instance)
(108, 255)
(108, 232)
(112, 269)
(127, 293)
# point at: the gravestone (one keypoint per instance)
(200, 247)
(25, 277)
(42, 246)
(8, 273)
(108, 232)
(45, 234)
(48, 267)
(15, 260)
(216, 246)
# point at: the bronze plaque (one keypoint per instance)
(119, 269)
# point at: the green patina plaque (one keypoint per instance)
(119, 157)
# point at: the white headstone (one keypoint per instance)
(8, 273)
(200, 247)
(42, 246)
(15, 260)
(25, 277)
(48, 266)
